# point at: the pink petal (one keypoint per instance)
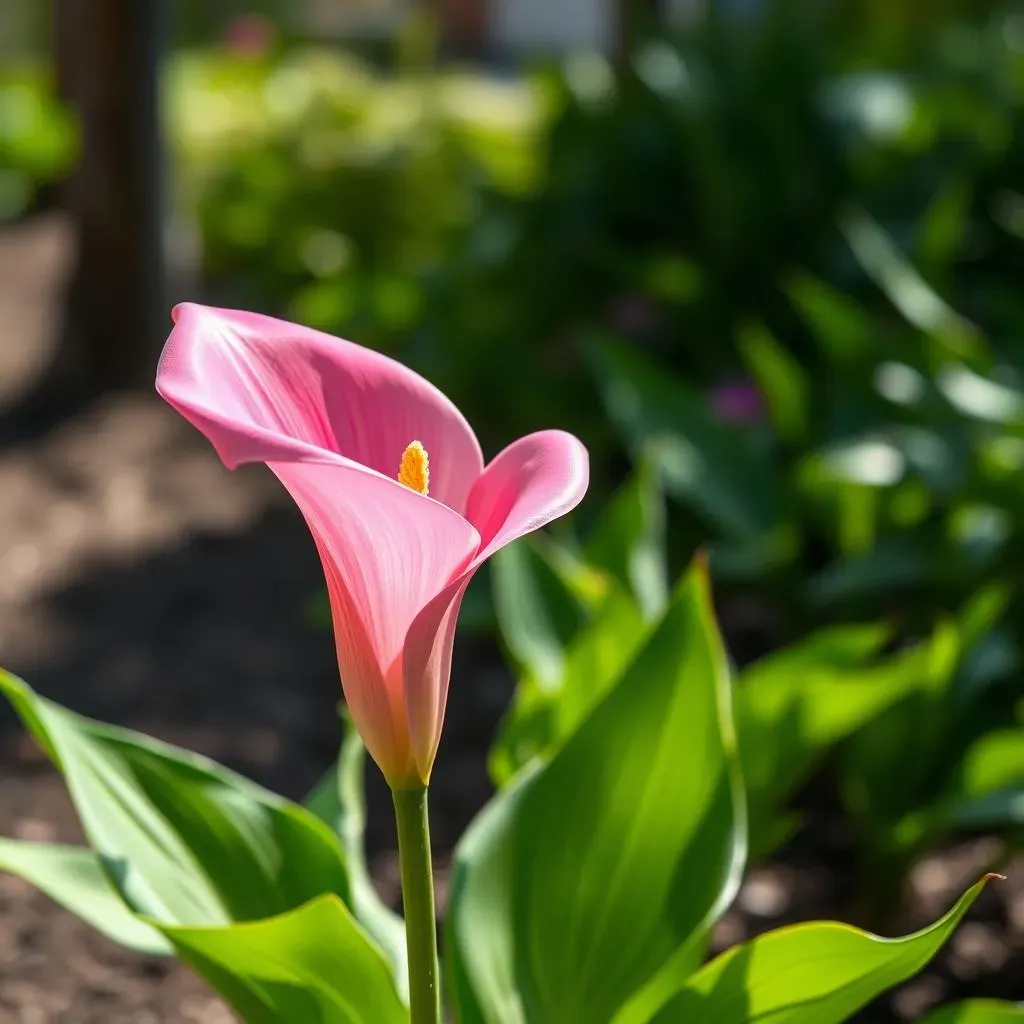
(387, 552)
(332, 420)
(265, 390)
(427, 669)
(532, 482)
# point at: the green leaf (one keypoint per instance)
(542, 718)
(628, 541)
(544, 595)
(896, 771)
(982, 613)
(977, 1011)
(537, 610)
(710, 466)
(842, 326)
(819, 973)
(526, 731)
(339, 801)
(478, 933)
(794, 705)
(184, 840)
(780, 378)
(600, 866)
(939, 235)
(888, 766)
(595, 662)
(988, 791)
(980, 397)
(889, 566)
(908, 291)
(994, 658)
(310, 964)
(74, 877)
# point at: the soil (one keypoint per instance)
(143, 584)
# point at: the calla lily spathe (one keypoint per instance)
(336, 423)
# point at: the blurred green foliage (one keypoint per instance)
(772, 258)
(38, 138)
(357, 202)
(689, 200)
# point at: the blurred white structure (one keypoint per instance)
(351, 17)
(514, 26)
(530, 26)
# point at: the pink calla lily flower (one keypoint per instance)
(339, 425)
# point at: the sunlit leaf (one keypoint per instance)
(339, 801)
(537, 610)
(977, 1011)
(311, 964)
(907, 290)
(542, 718)
(184, 840)
(618, 853)
(628, 541)
(819, 973)
(74, 878)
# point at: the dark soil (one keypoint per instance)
(143, 584)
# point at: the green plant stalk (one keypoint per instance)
(418, 904)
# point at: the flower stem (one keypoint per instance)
(418, 903)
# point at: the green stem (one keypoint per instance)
(418, 903)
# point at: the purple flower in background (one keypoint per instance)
(737, 402)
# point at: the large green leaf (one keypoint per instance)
(184, 840)
(711, 466)
(339, 801)
(617, 583)
(481, 962)
(543, 717)
(628, 540)
(818, 973)
(600, 867)
(74, 878)
(312, 964)
(977, 1011)
(537, 610)
(526, 731)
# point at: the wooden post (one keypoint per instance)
(465, 24)
(108, 54)
(631, 15)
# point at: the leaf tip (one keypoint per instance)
(701, 560)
